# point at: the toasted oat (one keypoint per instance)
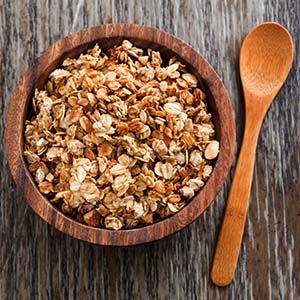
(164, 170)
(120, 139)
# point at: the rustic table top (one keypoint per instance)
(38, 262)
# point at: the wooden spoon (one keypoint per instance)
(265, 60)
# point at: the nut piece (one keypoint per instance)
(159, 147)
(46, 187)
(212, 150)
(112, 222)
(92, 218)
(174, 198)
(105, 150)
(160, 187)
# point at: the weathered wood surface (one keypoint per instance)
(38, 262)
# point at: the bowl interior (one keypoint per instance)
(108, 43)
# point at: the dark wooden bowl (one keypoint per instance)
(108, 36)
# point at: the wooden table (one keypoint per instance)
(38, 262)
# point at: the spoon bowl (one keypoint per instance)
(265, 61)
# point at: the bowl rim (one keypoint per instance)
(15, 119)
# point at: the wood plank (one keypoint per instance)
(38, 262)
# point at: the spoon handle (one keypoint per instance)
(230, 237)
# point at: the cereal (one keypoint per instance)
(212, 150)
(120, 139)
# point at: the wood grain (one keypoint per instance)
(38, 262)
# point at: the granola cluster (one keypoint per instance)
(118, 139)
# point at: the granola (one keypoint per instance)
(120, 139)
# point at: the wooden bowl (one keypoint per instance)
(108, 36)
